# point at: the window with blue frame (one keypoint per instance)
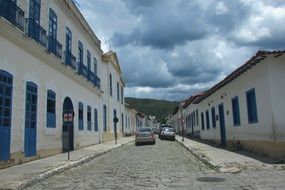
(207, 120)
(251, 106)
(88, 118)
(31, 105)
(6, 82)
(95, 120)
(35, 10)
(80, 116)
(122, 95)
(235, 110)
(51, 115)
(88, 61)
(52, 31)
(95, 66)
(6, 87)
(105, 118)
(68, 40)
(80, 52)
(193, 116)
(202, 120)
(114, 116)
(122, 123)
(34, 19)
(197, 118)
(111, 85)
(118, 91)
(213, 112)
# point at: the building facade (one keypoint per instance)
(53, 81)
(113, 99)
(246, 109)
(130, 120)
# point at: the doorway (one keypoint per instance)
(222, 125)
(67, 129)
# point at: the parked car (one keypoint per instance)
(160, 129)
(167, 133)
(144, 135)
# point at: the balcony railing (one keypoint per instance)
(35, 31)
(69, 59)
(97, 82)
(82, 70)
(94, 79)
(90, 76)
(54, 47)
(11, 12)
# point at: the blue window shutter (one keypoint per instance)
(207, 119)
(213, 117)
(251, 106)
(80, 116)
(202, 120)
(235, 110)
(51, 107)
(95, 119)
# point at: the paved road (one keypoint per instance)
(166, 165)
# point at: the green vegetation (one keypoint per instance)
(158, 108)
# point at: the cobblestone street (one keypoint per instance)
(166, 165)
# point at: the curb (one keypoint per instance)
(36, 179)
(199, 155)
(206, 160)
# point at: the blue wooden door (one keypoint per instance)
(6, 85)
(31, 120)
(222, 125)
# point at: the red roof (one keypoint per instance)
(260, 55)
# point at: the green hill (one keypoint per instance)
(158, 108)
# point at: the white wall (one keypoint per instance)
(257, 78)
(276, 68)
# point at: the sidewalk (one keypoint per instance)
(224, 160)
(20, 176)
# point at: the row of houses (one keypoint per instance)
(245, 110)
(58, 89)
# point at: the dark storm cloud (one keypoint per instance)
(144, 68)
(169, 49)
(225, 16)
(164, 25)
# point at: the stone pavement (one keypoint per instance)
(228, 161)
(20, 176)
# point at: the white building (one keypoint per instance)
(113, 99)
(51, 69)
(246, 109)
(190, 114)
(130, 120)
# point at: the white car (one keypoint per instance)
(167, 133)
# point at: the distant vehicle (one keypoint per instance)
(155, 130)
(167, 133)
(161, 127)
(144, 135)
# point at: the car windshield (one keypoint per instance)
(145, 130)
(168, 129)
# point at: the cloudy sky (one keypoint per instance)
(170, 49)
